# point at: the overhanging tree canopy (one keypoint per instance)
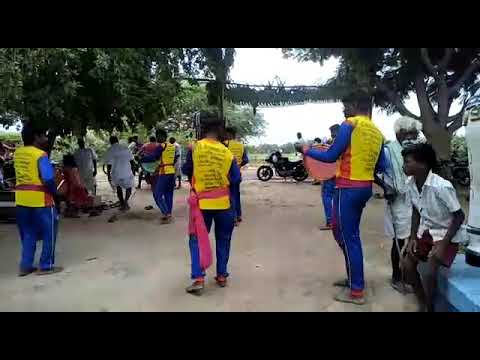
(437, 76)
(68, 89)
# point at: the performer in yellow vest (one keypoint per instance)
(211, 169)
(359, 147)
(240, 153)
(34, 196)
(165, 182)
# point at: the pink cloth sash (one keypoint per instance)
(197, 227)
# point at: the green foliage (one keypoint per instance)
(459, 149)
(391, 73)
(70, 89)
(97, 140)
(192, 98)
(437, 76)
(10, 137)
(219, 62)
(247, 123)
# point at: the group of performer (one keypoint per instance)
(424, 213)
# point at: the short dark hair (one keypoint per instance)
(317, 139)
(29, 132)
(360, 99)
(210, 122)
(152, 139)
(334, 127)
(161, 134)
(172, 140)
(69, 160)
(113, 139)
(422, 153)
(231, 130)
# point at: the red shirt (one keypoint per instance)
(149, 148)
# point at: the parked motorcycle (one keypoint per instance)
(461, 173)
(282, 167)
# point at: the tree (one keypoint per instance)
(219, 62)
(193, 98)
(71, 89)
(437, 76)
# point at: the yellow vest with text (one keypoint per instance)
(30, 191)
(168, 160)
(211, 165)
(359, 160)
(237, 149)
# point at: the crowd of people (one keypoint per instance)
(423, 214)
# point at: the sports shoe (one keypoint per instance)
(23, 273)
(401, 287)
(345, 296)
(196, 288)
(221, 281)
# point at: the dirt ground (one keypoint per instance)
(280, 261)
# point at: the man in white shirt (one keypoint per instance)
(436, 220)
(178, 163)
(300, 141)
(86, 160)
(119, 160)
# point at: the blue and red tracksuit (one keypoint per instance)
(235, 189)
(163, 184)
(350, 198)
(224, 224)
(39, 223)
(328, 191)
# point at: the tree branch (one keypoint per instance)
(446, 59)
(422, 97)
(456, 124)
(468, 72)
(395, 99)
(428, 63)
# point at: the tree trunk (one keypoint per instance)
(52, 136)
(438, 136)
(440, 139)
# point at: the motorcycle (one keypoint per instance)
(461, 172)
(282, 167)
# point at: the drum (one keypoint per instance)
(319, 170)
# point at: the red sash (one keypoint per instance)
(197, 227)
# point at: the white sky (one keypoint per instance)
(261, 65)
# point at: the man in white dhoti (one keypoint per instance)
(86, 160)
(119, 160)
(398, 216)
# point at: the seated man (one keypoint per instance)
(74, 191)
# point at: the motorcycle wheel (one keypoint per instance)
(264, 173)
(300, 174)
